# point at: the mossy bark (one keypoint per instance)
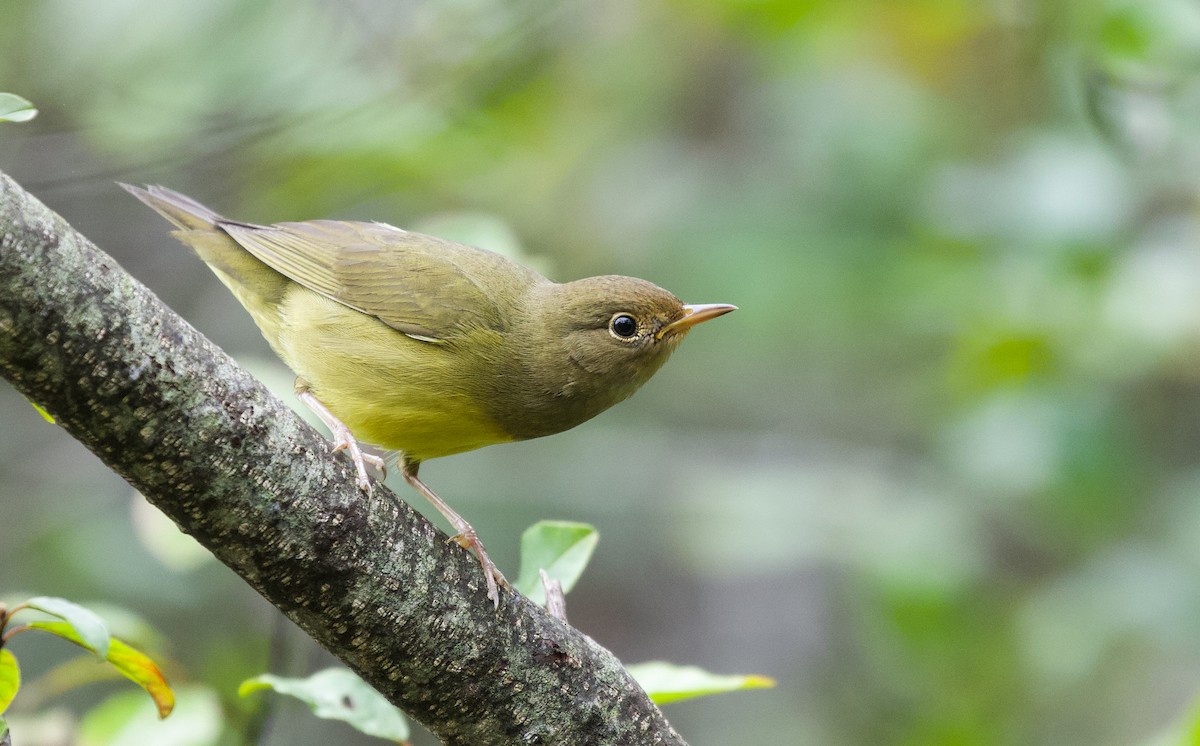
(368, 579)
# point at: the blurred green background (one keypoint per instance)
(939, 476)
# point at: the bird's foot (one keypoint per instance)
(466, 536)
(344, 441)
(469, 540)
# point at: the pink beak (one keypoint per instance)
(694, 313)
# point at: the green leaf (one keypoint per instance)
(91, 629)
(45, 415)
(338, 694)
(133, 664)
(561, 548)
(667, 682)
(10, 678)
(13, 108)
(127, 718)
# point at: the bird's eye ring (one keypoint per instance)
(623, 326)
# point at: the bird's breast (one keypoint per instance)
(391, 390)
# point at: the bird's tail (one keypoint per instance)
(256, 286)
(183, 211)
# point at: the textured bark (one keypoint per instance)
(370, 580)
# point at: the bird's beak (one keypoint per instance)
(694, 313)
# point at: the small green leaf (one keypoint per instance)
(45, 415)
(92, 631)
(133, 664)
(13, 108)
(561, 548)
(667, 682)
(10, 678)
(338, 694)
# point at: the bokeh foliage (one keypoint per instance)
(939, 477)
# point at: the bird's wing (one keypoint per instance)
(423, 286)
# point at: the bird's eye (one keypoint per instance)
(623, 325)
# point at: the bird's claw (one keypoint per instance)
(466, 536)
(344, 441)
(468, 539)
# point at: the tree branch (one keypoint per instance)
(370, 580)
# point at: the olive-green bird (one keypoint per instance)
(430, 347)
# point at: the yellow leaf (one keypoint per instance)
(133, 664)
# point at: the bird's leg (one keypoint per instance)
(343, 439)
(466, 536)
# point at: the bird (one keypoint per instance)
(429, 347)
